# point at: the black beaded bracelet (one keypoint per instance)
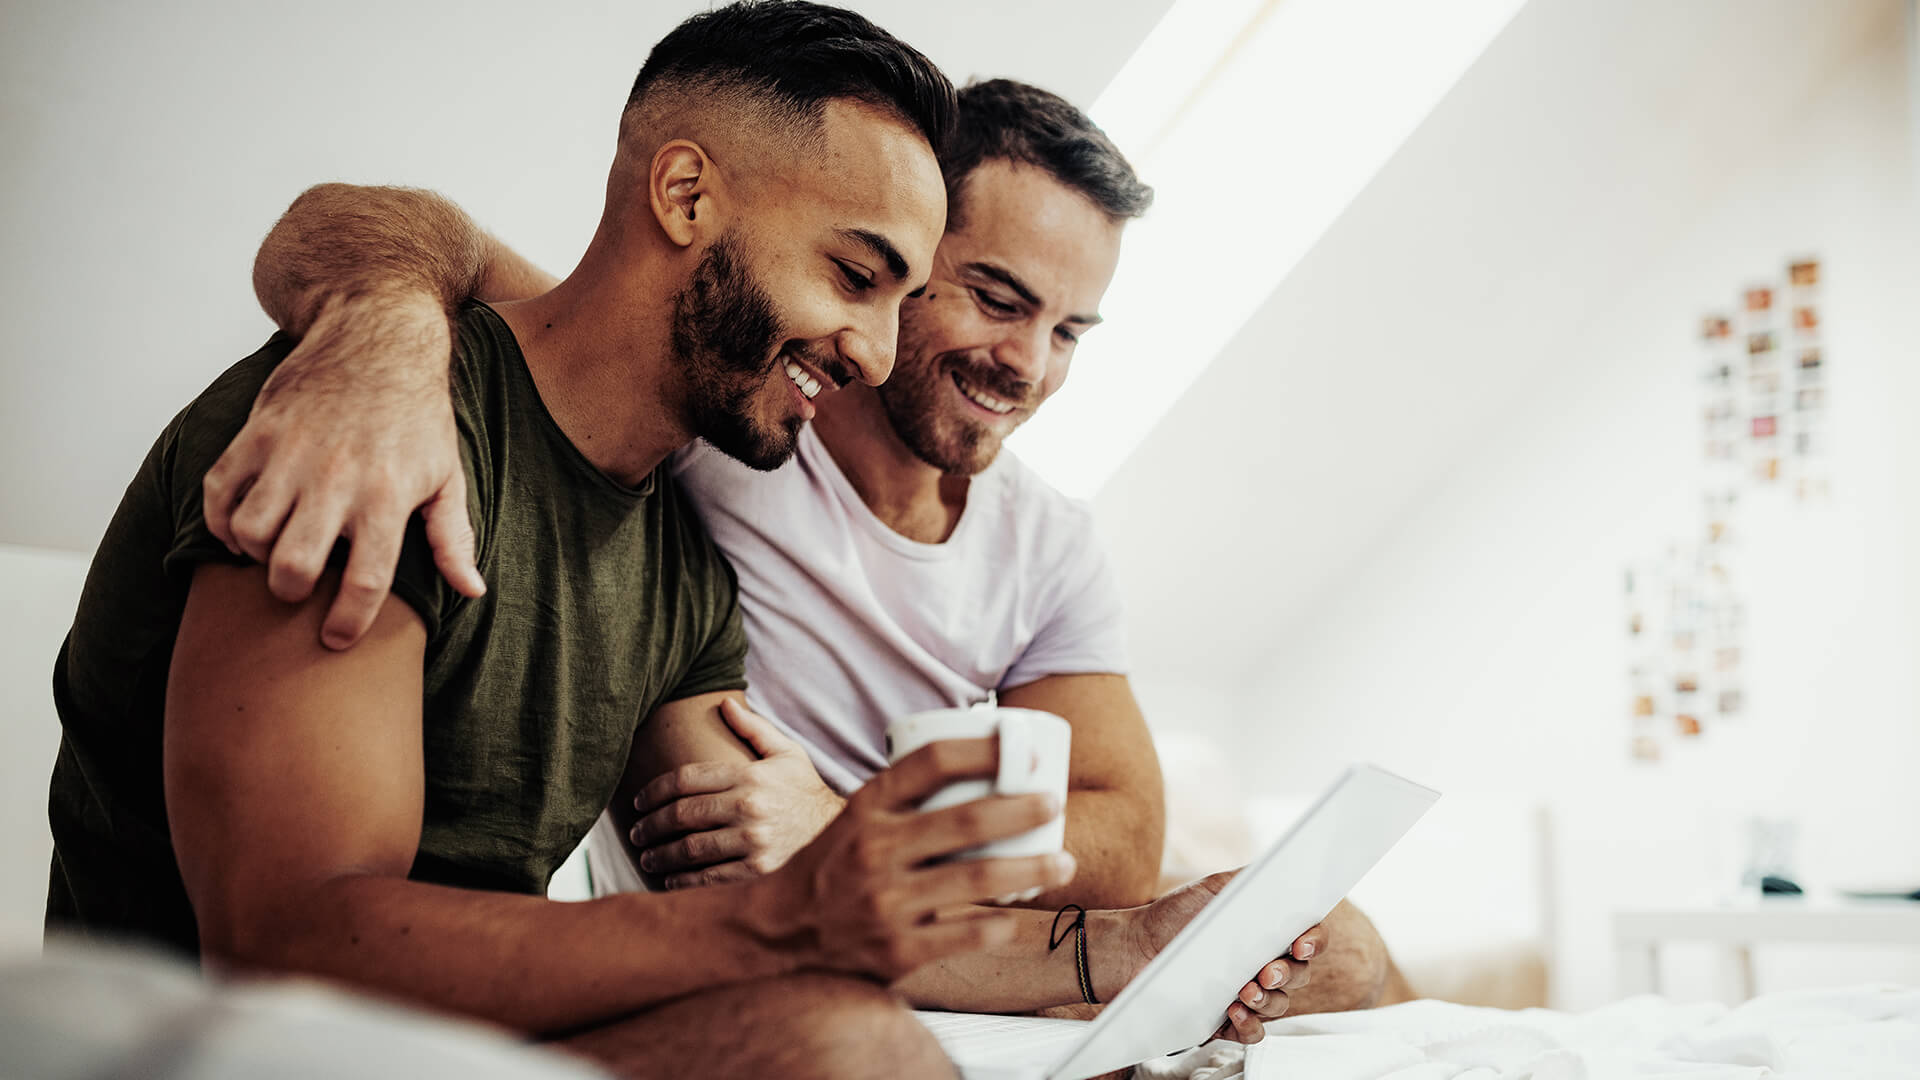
(1078, 928)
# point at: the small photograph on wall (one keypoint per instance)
(1646, 748)
(1806, 319)
(1716, 328)
(1803, 273)
(1809, 359)
(1687, 724)
(1764, 427)
(1758, 343)
(1758, 299)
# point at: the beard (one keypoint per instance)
(724, 335)
(927, 420)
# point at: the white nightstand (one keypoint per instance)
(1819, 919)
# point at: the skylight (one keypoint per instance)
(1257, 122)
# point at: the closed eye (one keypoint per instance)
(856, 281)
(1066, 336)
(994, 306)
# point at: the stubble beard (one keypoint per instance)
(914, 400)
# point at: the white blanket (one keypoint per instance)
(1863, 1033)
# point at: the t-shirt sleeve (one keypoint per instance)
(198, 437)
(721, 663)
(1082, 629)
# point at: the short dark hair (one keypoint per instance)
(797, 56)
(1001, 119)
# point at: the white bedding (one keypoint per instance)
(1862, 1033)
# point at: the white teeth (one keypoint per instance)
(808, 384)
(985, 401)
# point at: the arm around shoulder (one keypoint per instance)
(342, 241)
(355, 430)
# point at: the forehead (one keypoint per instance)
(867, 169)
(1051, 236)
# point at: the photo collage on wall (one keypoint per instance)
(1765, 409)
(1765, 430)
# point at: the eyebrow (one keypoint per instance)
(1010, 280)
(881, 246)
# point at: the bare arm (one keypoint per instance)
(674, 753)
(294, 792)
(354, 431)
(294, 788)
(680, 732)
(688, 764)
(1116, 810)
(719, 805)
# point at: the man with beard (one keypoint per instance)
(899, 563)
(390, 816)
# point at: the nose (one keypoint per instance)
(869, 345)
(1023, 352)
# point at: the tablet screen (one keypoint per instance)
(1181, 996)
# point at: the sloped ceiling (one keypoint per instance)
(1583, 137)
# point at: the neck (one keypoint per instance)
(603, 365)
(908, 495)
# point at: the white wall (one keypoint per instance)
(41, 590)
(1478, 645)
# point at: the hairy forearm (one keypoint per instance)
(1116, 839)
(338, 242)
(1025, 975)
(533, 964)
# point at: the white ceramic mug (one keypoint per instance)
(1033, 758)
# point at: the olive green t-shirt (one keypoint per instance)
(603, 603)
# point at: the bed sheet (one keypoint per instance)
(1858, 1033)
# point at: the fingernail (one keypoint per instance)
(646, 862)
(1259, 996)
(1274, 977)
(1304, 951)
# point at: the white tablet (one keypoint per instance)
(1181, 996)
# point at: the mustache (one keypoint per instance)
(991, 378)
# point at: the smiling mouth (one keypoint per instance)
(808, 384)
(981, 398)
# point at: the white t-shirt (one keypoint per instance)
(851, 626)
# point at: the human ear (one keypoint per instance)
(679, 187)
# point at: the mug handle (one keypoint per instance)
(1016, 754)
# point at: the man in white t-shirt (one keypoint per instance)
(900, 561)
